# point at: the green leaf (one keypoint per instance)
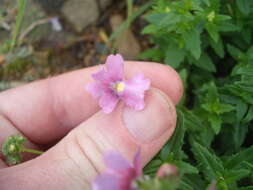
(186, 168)
(192, 121)
(239, 134)
(228, 27)
(174, 56)
(216, 122)
(218, 47)
(175, 143)
(205, 62)
(151, 54)
(192, 182)
(150, 29)
(152, 167)
(235, 161)
(234, 52)
(208, 162)
(163, 19)
(170, 19)
(206, 2)
(249, 115)
(193, 43)
(246, 188)
(235, 175)
(241, 109)
(212, 31)
(224, 108)
(244, 6)
(155, 18)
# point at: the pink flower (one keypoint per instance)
(110, 87)
(119, 173)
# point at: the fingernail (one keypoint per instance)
(157, 117)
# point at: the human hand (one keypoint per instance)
(59, 109)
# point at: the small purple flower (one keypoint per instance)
(119, 173)
(110, 87)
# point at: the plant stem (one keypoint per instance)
(129, 20)
(129, 8)
(32, 151)
(19, 19)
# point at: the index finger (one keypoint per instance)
(46, 110)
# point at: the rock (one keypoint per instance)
(104, 3)
(81, 13)
(126, 43)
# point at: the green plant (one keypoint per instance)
(209, 42)
(15, 55)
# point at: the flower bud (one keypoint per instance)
(166, 171)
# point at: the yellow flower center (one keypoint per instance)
(119, 86)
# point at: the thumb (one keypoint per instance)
(76, 160)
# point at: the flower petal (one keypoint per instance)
(108, 101)
(134, 91)
(95, 88)
(115, 162)
(137, 163)
(106, 182)
(101, 76)
(115, 67)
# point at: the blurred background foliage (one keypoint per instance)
(209, 42)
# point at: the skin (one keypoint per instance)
(57, 115)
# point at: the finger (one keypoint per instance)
(7, 129)
(77, 159)
(46, 110)
(2, 164)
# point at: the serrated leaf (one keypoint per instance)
(216, 122)
(174, 56)
(170, 19)
(235, 161)
(224, 108)
(192, 121)
(175, 143)
(205, 62)
(192, 182)
(186, 168)
(212, 31)
(193, 43)
(235, 175)
(234, 52)
(208, 162)
(218, 47)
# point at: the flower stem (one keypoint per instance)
(32, 151)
